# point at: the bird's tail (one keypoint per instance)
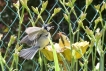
(29, 53)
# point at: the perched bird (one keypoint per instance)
(37, 38)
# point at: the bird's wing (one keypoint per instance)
(35, 35)
(29, 53)
(31, 30)
(26, 40)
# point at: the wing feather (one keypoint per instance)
(29, 53)
(34, 31)
(26, 40)
(31, 30)
(34, 35)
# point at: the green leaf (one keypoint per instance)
(55, 57)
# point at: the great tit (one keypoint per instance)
(37, 38)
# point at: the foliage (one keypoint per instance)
(78, 22)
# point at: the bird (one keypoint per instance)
(37, 39)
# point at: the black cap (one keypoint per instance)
(47, 27)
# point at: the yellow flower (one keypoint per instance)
(48, 52)
(79, 48)
(64, 40)
(63, 47)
